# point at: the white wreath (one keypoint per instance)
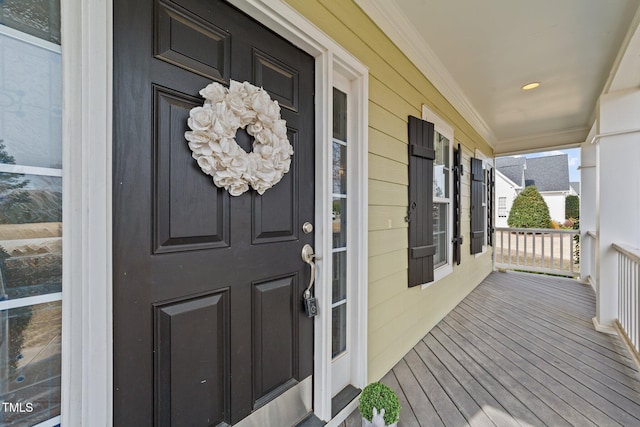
(212, 137)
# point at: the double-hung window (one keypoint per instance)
(442, 194)
(502, 207)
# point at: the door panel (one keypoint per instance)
(277, 78)
(274, 335)
(188, 386)
(183, 39)
(208, 319)
(191, 212)
(275, 214)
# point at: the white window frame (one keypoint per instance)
(347, 364)
(505, 207)
(87, 362)
(446, 130)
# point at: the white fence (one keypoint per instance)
(537, 250)
(628, 293)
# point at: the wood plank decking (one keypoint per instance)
(519, 350)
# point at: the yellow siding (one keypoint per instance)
(398, 316)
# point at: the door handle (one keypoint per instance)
(308, 256)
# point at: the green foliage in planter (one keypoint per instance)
(572, 207)
(576, 242)
(378, 395)
(529, 210)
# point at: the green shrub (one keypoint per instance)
(576, 242)
(378, 395)
(529, 210)
(572, 207)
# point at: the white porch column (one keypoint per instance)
(617, 194)
(588, 184)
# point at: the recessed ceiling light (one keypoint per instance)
(530, 86)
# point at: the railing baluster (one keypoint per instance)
(553, 244)
(625, 284)
(561, 252)
(533, 241)
(543, 245)
(625, 314)
(634, 312)
(620, 299)
(637, 302)
(629, 293)
(572, 253)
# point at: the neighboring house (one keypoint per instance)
(549, 174)
(574, 188)
(506, 192)
(185, 304)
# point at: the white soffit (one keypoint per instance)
(479, 54)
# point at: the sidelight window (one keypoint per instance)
(30, 212)
(339, 224)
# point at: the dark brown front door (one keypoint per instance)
(208, 318)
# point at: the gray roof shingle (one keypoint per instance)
(549, 173)
(511, 167)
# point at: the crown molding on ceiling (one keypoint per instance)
(392, 21)
(570, 138)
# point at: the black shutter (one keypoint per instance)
(491, 184)
(420, 212)
(457, 204)
(477, 214)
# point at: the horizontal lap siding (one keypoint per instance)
(398, 316)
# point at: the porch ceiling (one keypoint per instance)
(480, 54)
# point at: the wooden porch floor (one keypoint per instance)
(519, 350)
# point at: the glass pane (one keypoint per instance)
(30, 209)
(440, 233)
(339, 335)
(339, 276)
(441, 167)
(30, 104)
(30, 363)
(339, 168)
(339, 222)
(30, 235)
(40, 18)
(339, 115)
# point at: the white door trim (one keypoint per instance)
(87, 363)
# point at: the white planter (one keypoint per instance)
(367, 423)
(377, 421)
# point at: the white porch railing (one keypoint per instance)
(628, 293)
(537, 250)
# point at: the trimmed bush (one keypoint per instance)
(378, 395)
(529, 210)
(572, 207)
